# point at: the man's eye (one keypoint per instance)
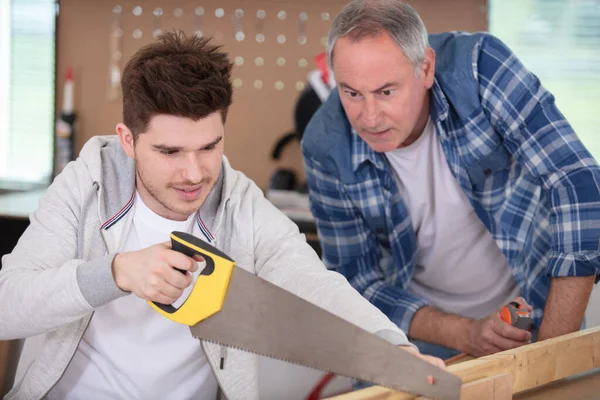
(352, 94)
(387, 92)
(168, 152)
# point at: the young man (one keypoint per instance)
(78, 283)
(445, 183)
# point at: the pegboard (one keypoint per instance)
(272, 43)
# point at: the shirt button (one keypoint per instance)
(386, 187)
(487, 171)
(379, 230)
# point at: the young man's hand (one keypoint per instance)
(492, 335)
(438, 362)
(151, 275)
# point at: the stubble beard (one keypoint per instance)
(161, 196)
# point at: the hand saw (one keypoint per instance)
(233, 307)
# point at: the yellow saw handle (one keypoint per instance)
(208, 294)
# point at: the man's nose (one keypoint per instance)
(370, 113)
(192, 170)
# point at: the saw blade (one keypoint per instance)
(262, 318)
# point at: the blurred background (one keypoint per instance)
(273, 44)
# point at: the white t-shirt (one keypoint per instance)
(460, 269)
(129, 350)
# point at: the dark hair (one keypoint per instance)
(179, 75)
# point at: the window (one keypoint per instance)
(27, 64)
(559, 41)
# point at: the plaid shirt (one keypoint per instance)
(527, 175)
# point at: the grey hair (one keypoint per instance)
(364, 18)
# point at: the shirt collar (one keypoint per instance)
(362, 152)
(438, 108)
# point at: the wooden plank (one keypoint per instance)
(539, 363)
(585, 386)
(493, 388)
(462, 357)
(530, 366)
(374, 393)
(497, 387)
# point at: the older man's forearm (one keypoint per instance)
(566, 305)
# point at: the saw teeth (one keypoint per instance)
(291, 362)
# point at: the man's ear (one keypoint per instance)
(126, 138)
(428, 67)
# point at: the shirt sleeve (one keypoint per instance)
(543, 142)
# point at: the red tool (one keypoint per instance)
(517, 315)
(315, 394)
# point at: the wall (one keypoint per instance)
(259, 117)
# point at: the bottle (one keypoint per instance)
(65, 126)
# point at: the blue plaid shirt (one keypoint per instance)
(528, 177)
